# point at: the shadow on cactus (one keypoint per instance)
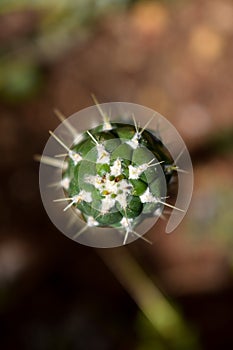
(104, 178)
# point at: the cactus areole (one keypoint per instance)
(114, 177)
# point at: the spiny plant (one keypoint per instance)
(114, 175)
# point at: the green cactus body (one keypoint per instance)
(104, 180)
(112, 176)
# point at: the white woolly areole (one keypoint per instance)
(82, 196)
(133, 142)
(147, 197)
(126, 188)
(116, 168)
(135, 172)
(110, 186)
(126, 223)
(65, 183)
(91, 221)
(102, 184)
(75, 157)
(107, 203)
(95, 180)
(103, 155)
(120, 189)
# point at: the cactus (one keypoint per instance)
(114, 175)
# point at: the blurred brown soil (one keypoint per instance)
(179, 65)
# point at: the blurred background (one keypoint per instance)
(174, 56)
